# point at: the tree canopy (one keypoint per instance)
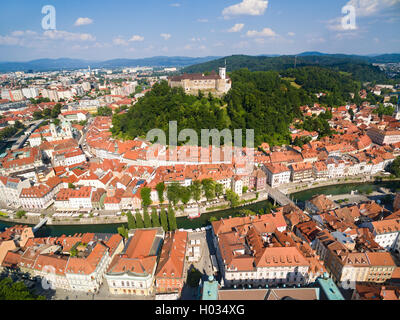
(10, 290)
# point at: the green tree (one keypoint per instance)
(219, 189)
(395, 167)
(123, 232)
(10, 290)
(194, 277)
(131, 220)
(56, 111)
(164, 220)
(155, 219)
(393, 100)
(209, 188)
(139, 220)
(20, 214)
(172, 219)
(233, 198)
(196, 190)
(185, 194)
(246, 212)
(104, 111)
(160, 187)
(146, 218)
(173, 193)
(145, 193)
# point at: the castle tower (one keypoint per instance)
(222, 73)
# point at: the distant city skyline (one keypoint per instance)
(104, 30)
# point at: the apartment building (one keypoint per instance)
(133, 271)
(384, 136)
(249, 254)
(277, 174)
(10, 189)
(170, 275)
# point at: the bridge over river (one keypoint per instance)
(41, 223)
(279, 197)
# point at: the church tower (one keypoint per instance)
(53, 131)
(67, 129)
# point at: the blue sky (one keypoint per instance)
(101, 30)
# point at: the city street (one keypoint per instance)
(103, 294)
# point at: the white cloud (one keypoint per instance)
(367, 8)
(31, 39)
(19, 33)
(202, 20)
(246, 7)
(336, 25)
(236, 28)
(346, 35)
(83, 22)
(9, 41)
(119, 41)
(68, 36)
(136, 38)
(363, 8)
(166, 36)
(175, 5)
(266, 32)
(291, 34)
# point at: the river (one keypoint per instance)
(186, 223)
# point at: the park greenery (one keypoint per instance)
(20, 214)
(208, 188)
(381, 110)
(48, 113)
(266, 101)
(165, 220)
(104, 111)
(395, 167)
(360, 68)
(10, 290)
(145, 194)
(10, 131)
(39, 100)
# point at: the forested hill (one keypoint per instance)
(359, 67)
(264, 101)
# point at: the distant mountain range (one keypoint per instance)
(163, 61)
(360, 67)
(372, 58)
(68, 64)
